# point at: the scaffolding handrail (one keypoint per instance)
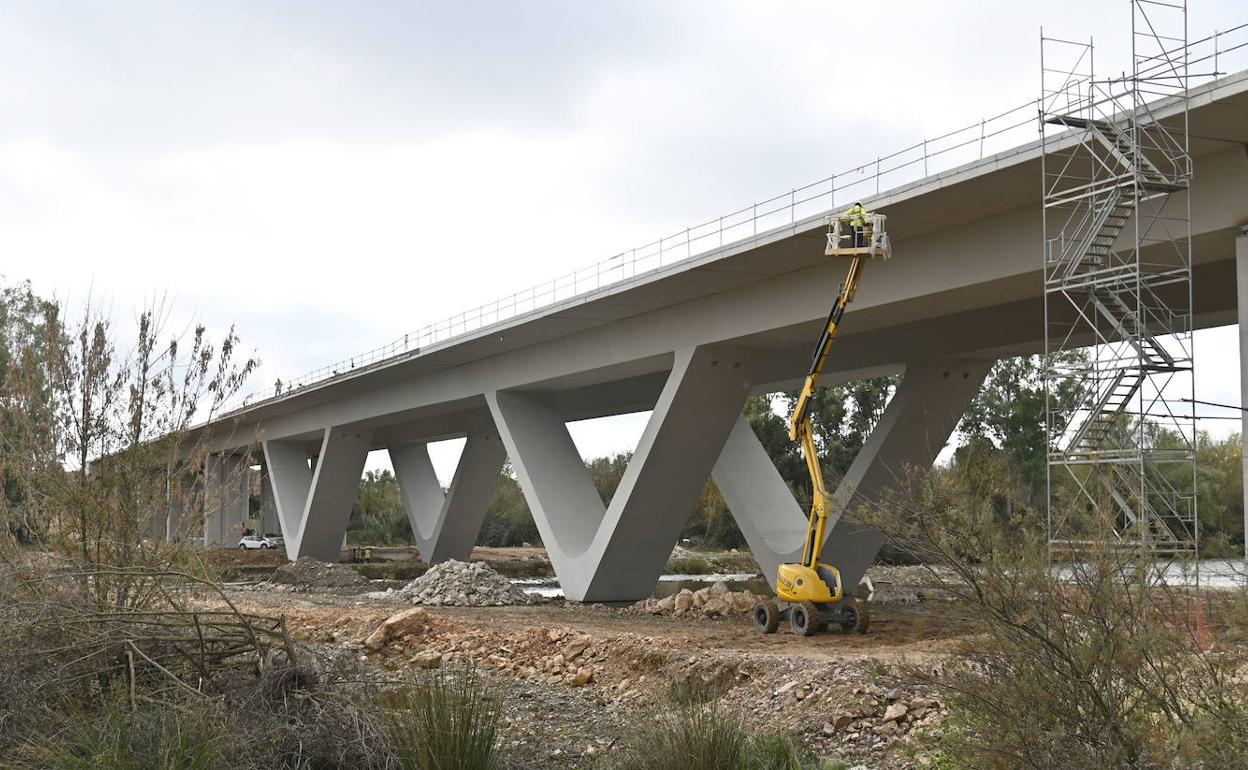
(885, 173)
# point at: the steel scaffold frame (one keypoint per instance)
(1119, 374)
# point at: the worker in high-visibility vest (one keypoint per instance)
(856, 217)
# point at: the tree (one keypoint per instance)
(102, 440)
(22, 316)
(508, 521)
(1010, 411)
(607, 472)
(843, 417)
(379, 516)
(1220, 494)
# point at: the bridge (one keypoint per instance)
(730, 310)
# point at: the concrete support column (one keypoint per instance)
(158, 523)
(913, 429)
(1241, 280)
(616, 552)
(314, 506)
(446, 524)
(226, 496)
(174, 498)
(184, 491)
(269, 523)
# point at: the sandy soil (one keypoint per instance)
(831, 691)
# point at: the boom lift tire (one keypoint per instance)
(855, 618)
(767, 616)
(804, 618)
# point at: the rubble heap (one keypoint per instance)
(311, 574)
(713, 601)
(462, 584)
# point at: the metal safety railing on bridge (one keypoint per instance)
(886, 173)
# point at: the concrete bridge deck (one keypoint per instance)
(691, 341)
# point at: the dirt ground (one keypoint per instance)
(574, 677)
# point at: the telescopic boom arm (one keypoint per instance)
(800, 429)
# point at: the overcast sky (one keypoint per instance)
(329, 176)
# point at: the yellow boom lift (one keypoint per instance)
(810, 593)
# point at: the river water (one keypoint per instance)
(668, 584)
(1210, 573)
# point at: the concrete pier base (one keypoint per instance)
(314, 506)
(615, 553)
(446, 524)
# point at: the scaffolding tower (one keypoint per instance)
(1118, 292)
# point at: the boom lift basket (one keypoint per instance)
(841, 239)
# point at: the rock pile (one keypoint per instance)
(310, 574)
(713, 601)
(462, 584)
(880, 714)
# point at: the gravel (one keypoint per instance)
(462, 584)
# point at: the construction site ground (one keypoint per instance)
(573, 678)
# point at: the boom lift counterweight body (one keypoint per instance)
(810, 592)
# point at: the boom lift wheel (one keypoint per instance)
(855, 618)
(804, 618)
(767, 616)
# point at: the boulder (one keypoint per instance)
(576, 647)
(719, 588)
(582, 677)
(895, 711)
(413, 622)
(715, 607)
(427, 659)
(683, 602)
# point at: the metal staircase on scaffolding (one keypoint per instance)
(1118, 311)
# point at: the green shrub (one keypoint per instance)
(694, 565)
(153, 738)
(704, 738)
(444, 722)
(1093, 664)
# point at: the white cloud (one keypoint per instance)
(332, 176)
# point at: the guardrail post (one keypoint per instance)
(792, 207)
(754, 217)
(981, 139)
(877, 175)
(924, 157)
(721, 232)
(688, 246)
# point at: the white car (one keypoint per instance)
(250, 542)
